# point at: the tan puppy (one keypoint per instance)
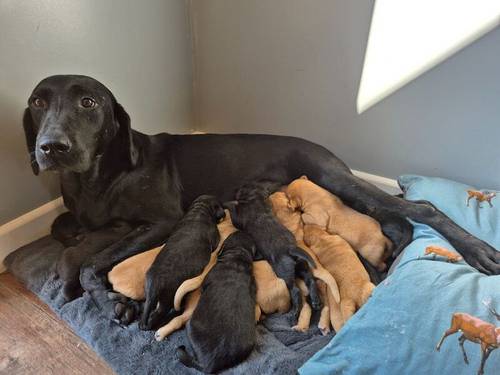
(292, 220)
(339, 258)
(128, 276)
(322, 208)
(272, 294)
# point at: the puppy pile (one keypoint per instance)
(273, 252)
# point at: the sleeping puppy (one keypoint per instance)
(221, 331)
(322, 208)
(292, 221)
(128, 277)
(252, 214)
(339, 258)
(185, 254)
(225, 228)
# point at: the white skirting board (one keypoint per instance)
(36, 223)
(28, 227)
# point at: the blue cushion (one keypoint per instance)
(397, 330)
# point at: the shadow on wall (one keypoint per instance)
(15, 166)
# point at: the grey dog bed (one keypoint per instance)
(279, 349)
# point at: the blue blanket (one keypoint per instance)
(397, 330)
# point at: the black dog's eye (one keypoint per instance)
(88, 103)
(38, 103)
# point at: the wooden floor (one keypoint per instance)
(33, 340)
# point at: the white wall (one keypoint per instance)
(140, 50)
(293, 67)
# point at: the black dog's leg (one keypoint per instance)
(369, 199)
(303, 272)
(93, 272)
(67, 230)
(69, 264)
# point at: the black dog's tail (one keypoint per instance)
(301, 254)
(188, 361)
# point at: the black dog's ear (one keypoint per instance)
(125, 134)
(29, 132)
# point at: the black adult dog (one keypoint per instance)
(184, 256)
(275, 243)
(110, 172)
(222, 329)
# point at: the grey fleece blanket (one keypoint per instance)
(279, 350)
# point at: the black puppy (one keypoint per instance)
(222, 329)
(276, 244)
(184, 256)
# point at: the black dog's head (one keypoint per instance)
(71, 120)
(213, 205)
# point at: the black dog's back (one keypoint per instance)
(222, 328)
(184, 256)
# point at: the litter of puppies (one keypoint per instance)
(276, 249)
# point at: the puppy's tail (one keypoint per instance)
(325, 276)
(186, 287)
(300, 254)
(187, 360)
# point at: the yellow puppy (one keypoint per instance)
(292, 220)
(322, 208)
(272, 294)
(128, 276)
(338, 257)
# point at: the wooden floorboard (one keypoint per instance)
(33, 340)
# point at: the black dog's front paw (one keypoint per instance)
(483, 258)
(71, 290)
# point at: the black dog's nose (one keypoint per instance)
(55, 145)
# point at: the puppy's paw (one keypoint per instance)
(324, 329)
(126, 310)
(300, 328)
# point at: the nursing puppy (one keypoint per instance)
(221, 331)
(292, 221)
(128, 277)
(225, 228)
(322, 208)
(338, 257)
(252, 214)
(185, 254)
(271, 297)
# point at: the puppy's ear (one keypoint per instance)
(292, 204)
(125, 134)
(304, 177)
(219, 212)
(29, 132)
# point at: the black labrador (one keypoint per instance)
(109, 172)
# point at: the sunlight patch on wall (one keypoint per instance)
(409, 37)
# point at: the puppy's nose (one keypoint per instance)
(51, 146)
